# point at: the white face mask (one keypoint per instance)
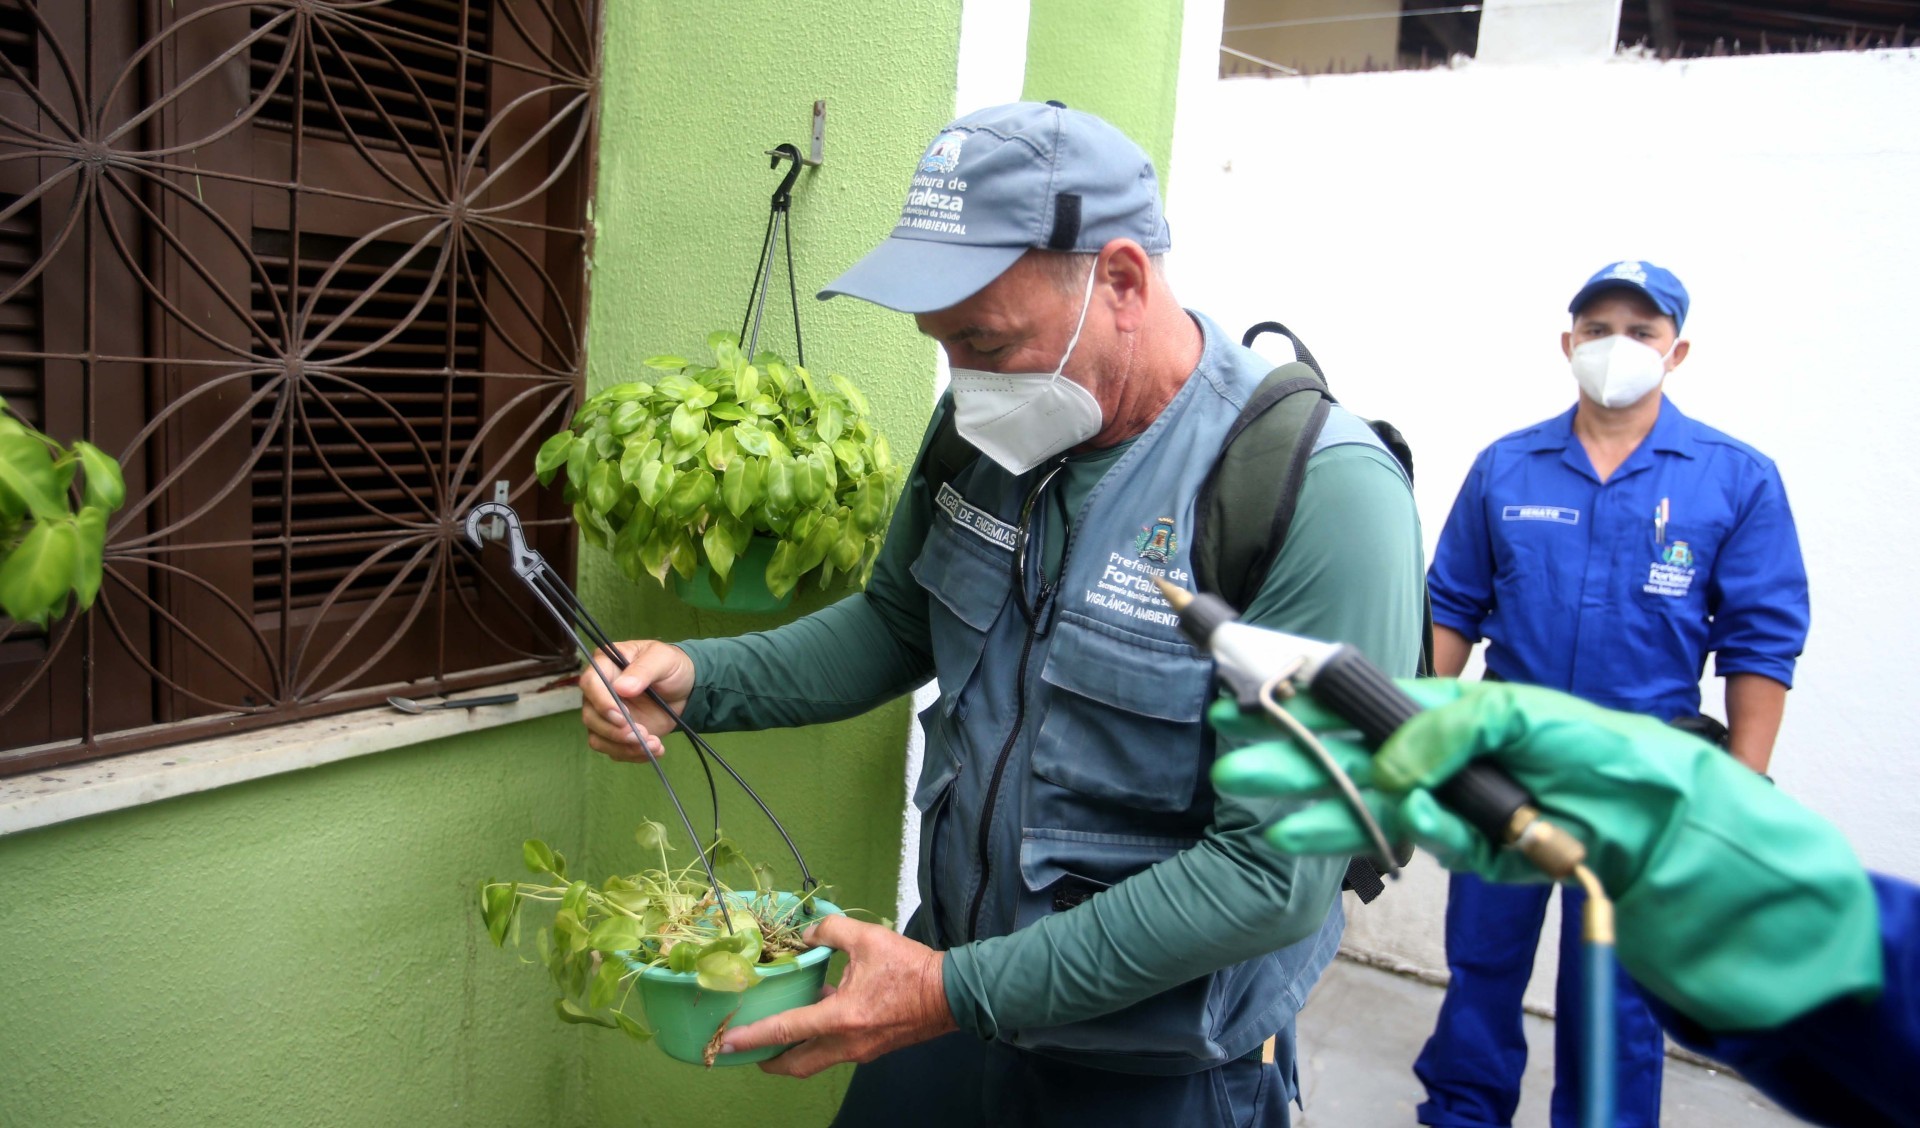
(1021, 419)
(1616, 371)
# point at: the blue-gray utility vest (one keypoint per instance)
(1067, 751)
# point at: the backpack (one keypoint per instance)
(1260, 469)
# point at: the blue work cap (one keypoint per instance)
(1658, 284)
(998, 182)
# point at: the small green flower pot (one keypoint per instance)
(749, 591)
(684, 1015)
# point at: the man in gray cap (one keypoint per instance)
(1100, 937)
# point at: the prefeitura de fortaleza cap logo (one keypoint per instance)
(943, 156)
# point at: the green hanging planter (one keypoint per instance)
(684, 1016)
(748, 591)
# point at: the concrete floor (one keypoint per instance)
(1363, 1027)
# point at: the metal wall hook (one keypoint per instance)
(816, 150)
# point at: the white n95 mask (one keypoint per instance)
(1021, 419)
(1616, 371)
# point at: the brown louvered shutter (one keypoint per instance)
(349, 242)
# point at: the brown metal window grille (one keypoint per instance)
(314, 271)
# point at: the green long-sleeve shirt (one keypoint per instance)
(1350, 571)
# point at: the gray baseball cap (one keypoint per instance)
(998, 182)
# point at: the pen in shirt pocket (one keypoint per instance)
(1660, 517)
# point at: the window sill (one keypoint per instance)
(58, 795)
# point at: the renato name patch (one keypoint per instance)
(1559, 514)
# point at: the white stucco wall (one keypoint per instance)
(1424, 232)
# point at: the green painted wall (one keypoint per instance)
(303, 950)
(694, 93)
(1116, 58)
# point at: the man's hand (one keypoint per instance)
(666, 668)
(890, 996)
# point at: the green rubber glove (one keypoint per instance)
(1734, 903)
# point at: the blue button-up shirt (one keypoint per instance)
(1616, 591)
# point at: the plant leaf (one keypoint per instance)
(666, 363)
(603, 488)
(538, 855)
(579, 460)
(746, 383)
(105, 487)
(855, 396)
(850, 455)
(782, 574)
(683, 957)
(845, 552)
(606, 982)
(615, 934)
(831, 422)
(817, 543)
(733, 488)
(809, 480)
(552, 456)
(752, 439)
(651, 835)
(26, 471)
(724, 971)
(719, 549)
(654, 553)
(91, 526)
(721, 449)
(35, 578)
(632, 1029)
(690, 491)
(688, 426)
(497, 903)
(627, 418)
(684, 557)
(569, 1011)
(782, 491)
(653, 481)
(870, 504)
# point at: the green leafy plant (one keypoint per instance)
(685, 469)
(49, 551)
(602, 936)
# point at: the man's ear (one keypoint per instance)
(1566, 344)
(1679, 354)
(1128, 273)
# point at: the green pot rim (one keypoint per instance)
(802, 961)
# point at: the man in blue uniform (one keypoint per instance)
(1604, 553)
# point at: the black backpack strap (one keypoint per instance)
(1259, 470)
(1300, 351)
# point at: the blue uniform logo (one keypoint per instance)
(1678, 555)
(1157, 542)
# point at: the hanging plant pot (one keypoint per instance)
(710, 460)
(685, 1017)
(746, 586)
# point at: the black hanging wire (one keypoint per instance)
(779, 223)
(576, 620)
